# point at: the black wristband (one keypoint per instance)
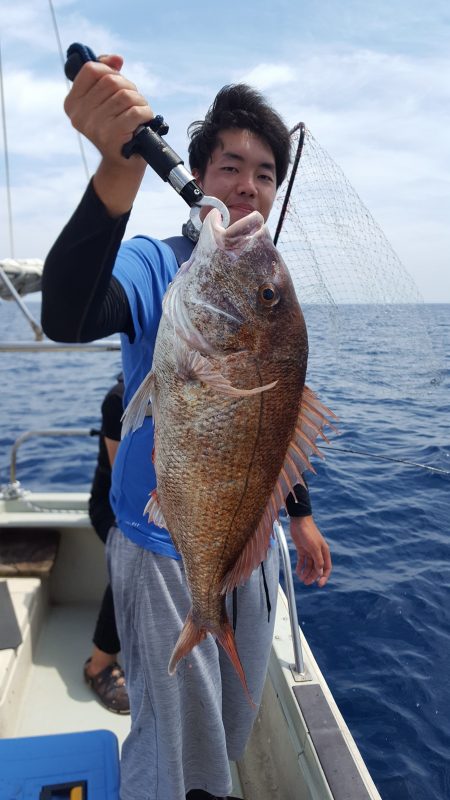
(301, 508)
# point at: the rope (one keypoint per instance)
(386, 458)
(7, 173)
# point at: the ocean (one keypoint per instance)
(380, 629)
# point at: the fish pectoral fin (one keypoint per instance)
(137, 408)
(193, 366)
(154, 511)
(312, 418)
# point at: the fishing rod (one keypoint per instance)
(437, 470)
(298, 154)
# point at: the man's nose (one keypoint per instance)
(246, 184)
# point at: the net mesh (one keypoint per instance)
(351, 284)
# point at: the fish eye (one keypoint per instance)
(268, 294)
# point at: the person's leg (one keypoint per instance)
(106, 638)
(102, 671)
(177, 741)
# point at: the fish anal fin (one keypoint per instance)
(191, 365)
(254, 551)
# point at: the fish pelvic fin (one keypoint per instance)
(192, 365)
(137, 408)
(191, 635)
(154, 511)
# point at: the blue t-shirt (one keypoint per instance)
(144, 267)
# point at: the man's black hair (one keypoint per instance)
(239, 106)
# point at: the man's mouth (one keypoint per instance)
(242, 208)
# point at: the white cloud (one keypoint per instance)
(382, 114)
(267, 76)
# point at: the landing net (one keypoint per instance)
(354, 291)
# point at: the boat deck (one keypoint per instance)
(55, 690)
(55, 681)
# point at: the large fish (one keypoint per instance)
(234, 422)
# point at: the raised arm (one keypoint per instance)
(80, 300)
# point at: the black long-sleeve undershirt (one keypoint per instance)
(81, 301)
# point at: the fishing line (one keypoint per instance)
(386, 458)
(62, 59)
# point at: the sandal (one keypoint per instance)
(109, 686)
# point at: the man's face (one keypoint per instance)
(241, 173)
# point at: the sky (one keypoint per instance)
(371, 80)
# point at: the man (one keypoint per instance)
(184, 728)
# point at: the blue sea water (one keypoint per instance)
(380, 630)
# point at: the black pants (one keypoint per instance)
(105, 635)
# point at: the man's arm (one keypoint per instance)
(313, 552)
(79, 300)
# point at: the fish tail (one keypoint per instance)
(191, 635)
(225, 637)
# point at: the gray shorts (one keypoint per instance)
(184, 727)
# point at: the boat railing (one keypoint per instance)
(45, 346)
(13, 489)
(40, 344)
(299, 664)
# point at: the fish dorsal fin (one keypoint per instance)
(136, 410)
(191, 365)
(312, 418)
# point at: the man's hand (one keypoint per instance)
(107, 108)
(313, 553)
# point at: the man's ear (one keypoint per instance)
(196, 175)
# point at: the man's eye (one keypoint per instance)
(268, 178)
